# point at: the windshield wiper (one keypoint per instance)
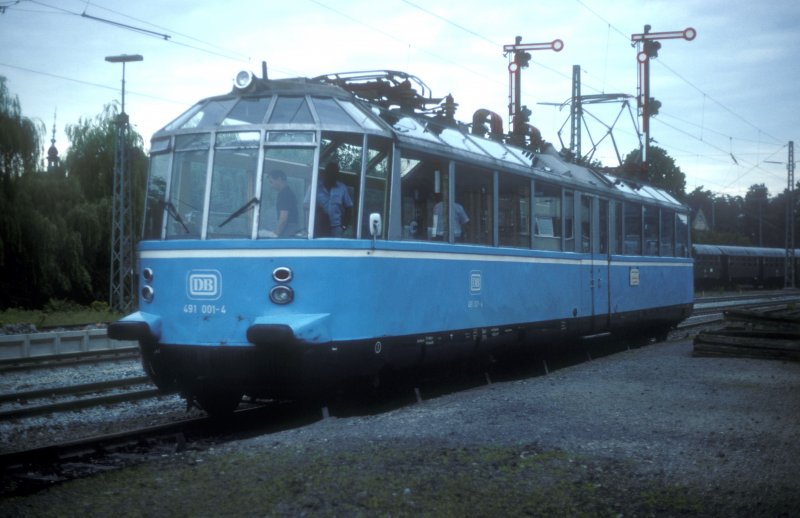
(239, 212)
(176, 215)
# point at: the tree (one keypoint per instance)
(20, 137)
(662, 172)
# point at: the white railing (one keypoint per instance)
(57, 343)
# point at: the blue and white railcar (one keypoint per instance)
(459, 242)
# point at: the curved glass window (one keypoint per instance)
(156, 196)
(233, 185)
(187, 186)
(285, 182)
(291, 110)
(204, 116)
(248, 111)
(331, 114)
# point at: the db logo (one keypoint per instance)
(204, 284)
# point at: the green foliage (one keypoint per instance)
(662, 171)
(55, 229)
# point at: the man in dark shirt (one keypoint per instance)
(285, 206)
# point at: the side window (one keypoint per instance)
(376, 184)
(603, 224)
(586, 224)
(651, 232)
(547, 217)
(423, 179)
(338, 192)
(569, 221)
(667, 232)
(284, 182)
(633, 229)
(514, 214)
(473, 209)
(681, 235)
(156, 196)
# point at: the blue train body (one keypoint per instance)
(551, 250)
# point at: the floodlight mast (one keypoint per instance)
(647, 46)
(122, 278)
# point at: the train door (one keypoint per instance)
(598, 225)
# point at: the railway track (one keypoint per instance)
(26, 403)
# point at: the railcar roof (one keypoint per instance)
(311, 107)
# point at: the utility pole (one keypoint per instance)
(647, 46)
(576, 114)
(122, 276)
(519, 59)
(789, 281)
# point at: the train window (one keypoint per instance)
(233, 185)
(473, 208)
(603, 225)
(569, 221)
(682, 235)
(651, 233)
(547, 217)
(249, 110)
(514, 211)
(331, 114)
(632, 229)
(376, 184)
(291, 110)
(156, 196)
(586, 224)
(667, 232)
(285, 181)
(344, 149)
(618, 234)
(187, 186)
(423, 181)
(208, 116)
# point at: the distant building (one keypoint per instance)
(700, 224)
(53, 160)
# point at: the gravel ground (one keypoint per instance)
(651, 431)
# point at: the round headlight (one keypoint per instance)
(147, 273)
(281, 294)
(282, 274)
(148, 293)
(243, 79)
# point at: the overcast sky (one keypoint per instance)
(728, 97)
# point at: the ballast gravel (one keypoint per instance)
(647, 432)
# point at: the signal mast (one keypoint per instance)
(647, 45)
(519, 59)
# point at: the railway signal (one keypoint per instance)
(519, 58)
(647, 45)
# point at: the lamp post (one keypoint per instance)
(122, 276)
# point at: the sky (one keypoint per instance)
(728, 97)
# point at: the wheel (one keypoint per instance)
(155, 367)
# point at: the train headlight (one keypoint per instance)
(281, 295)
(147, 274)
(148, 293)
(243, 79)
(282, 274)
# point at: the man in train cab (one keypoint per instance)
(460, 221)
(334, 200)
(285, 204)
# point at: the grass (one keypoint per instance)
(60, 313)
